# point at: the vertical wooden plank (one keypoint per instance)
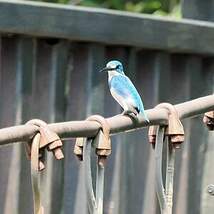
(50, 81)
(207, 205)
(85, 97)
(7, 114)
(115, 172)
(0, 59)
(136, 147)
(157, 70)
(124, 147)
(27, 84)
(41, 92)
(148, 80)
(26, 56)
(75, 109)
(55, 171)
(196, 137)
(180, 93)
(8, 78)
(193, 84)
(42, 80)
(19, 174)
(202, 10)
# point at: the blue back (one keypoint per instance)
(123, 86)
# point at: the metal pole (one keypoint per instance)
(117, 123)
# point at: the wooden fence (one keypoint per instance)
(49, 61)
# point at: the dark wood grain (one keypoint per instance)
(201, 82)
(7, 117)
(106, 26)
(50, 71)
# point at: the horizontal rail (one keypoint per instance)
(105, 26)
(117, 123)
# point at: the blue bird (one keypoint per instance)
(123, 90)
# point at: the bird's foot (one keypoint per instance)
(131, 115)
(126, 112)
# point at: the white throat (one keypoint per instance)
(112, 73)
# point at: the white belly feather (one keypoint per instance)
(126, 104)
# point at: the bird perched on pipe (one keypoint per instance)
(123, 90)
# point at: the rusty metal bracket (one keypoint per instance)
(78, 147)
(152, 135)
(173, 135)
(174, 130)
(208, 119)
(48, 139)
(44, 138)
(82, 149)
(101, 141)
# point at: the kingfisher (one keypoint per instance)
(123, 90)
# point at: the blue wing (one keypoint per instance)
(123, 86)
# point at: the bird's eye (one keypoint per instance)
(118, 67)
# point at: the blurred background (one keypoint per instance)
(50, 56)
(155, 7)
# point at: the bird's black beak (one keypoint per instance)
(105, 69)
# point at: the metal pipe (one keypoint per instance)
(117, 123)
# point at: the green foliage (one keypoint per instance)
(156, 7)
(55, 1)
(143, 7)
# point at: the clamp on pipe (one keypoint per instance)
(82, 149)
(101, 141)
(174, 130)
(209, 120)
(173, 134)
(48, 139)
(45, 138)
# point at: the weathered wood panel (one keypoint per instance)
(106, 26)
(7, 117)
(56, 79)
(199, 201)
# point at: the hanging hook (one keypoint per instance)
(35, 151)
(174, 130)
(82, 149)
(158, 169)
(49, 140)
(173, 135)
(38, 208)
